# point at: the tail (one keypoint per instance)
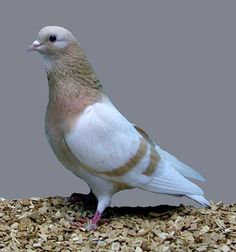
(200, 199)
(182, 168)
(168, 180)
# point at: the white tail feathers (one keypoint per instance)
(182, 168)
(169, 180)
(200, 199)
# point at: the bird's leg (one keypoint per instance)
(88, 200)
(91, 224)
(103, 202)
(87, 224)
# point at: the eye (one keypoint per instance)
(52, 38)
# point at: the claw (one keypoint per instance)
(90, 226)
(84, 224)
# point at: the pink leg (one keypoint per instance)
(96, 218)
(92, 224)
(87, 224)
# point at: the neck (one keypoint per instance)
(71, 76)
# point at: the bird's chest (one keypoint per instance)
(56, 124)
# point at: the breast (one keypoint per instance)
(60, 117)
(54, 127)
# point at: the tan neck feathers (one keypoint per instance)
(71, 75)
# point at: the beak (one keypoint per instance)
(34, 47)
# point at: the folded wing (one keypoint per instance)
(107, 144)
(103, 140)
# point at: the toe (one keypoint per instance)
(90, 226)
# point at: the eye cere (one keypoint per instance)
(52, 38)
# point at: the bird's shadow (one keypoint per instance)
(160, 211)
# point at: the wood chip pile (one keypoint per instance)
(43, 224)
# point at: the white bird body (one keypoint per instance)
(97, 143)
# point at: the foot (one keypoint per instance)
(87, 224)
(84, 224)
(79, 223)
(90, 226)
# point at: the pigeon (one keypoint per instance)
(91, 138)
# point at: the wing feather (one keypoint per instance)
(181, 167)
(103, 140)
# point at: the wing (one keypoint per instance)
(145, 135)
(105, 142)
(182, 168)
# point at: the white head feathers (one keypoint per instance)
(52, 38)
(51, 41)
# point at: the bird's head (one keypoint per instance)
(52, 40)
(63, 57)
(53, 43)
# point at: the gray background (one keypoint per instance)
(169, 67)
